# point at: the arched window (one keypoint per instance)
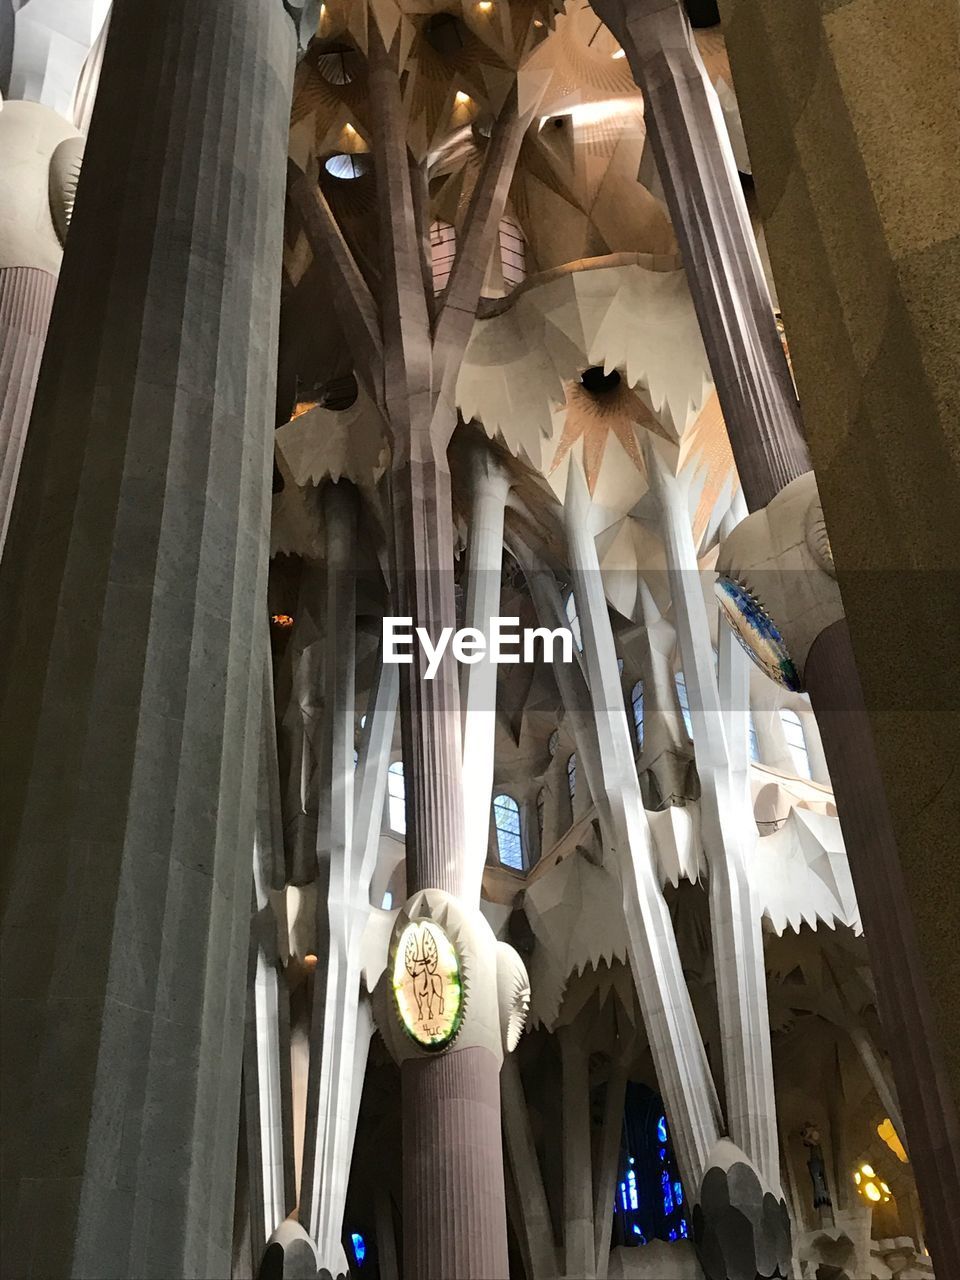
(650, 1203)
(552, 742)
(506, 819)
(443, 250)
(513, 258)
(793, 732)
(681, 687)
(572, 775)
(636, 702)
(570, 609)
(541, 806)
(396, 804)
(620, 665)
(754, 742)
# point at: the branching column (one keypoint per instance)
(131, 658)
(729, 835)
(764, 424)
(675, 1041)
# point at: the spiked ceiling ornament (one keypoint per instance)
(596, 405)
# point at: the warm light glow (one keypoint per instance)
(302, 407)
(310, 961)
(426, 984)
(283, 620)
(619, 54)
(485, 5)
(461, 98)
(872, 1188)
(537, 23)
(888, 1133)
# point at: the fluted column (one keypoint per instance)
(26, 297)
(766, 433)
(131, 658)
(489, 485)
(695, 162)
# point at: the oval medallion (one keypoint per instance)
(426, 984)
(757, 633)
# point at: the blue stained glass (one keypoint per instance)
(359, 1247)
(667, 1188)
(650, 1196)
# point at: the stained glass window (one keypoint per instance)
(396, 802)
(443, 250)
(636, 702)
(570, 608)
(359, 1247)
(681, 686)
(506, 818)
(650, 1202)
(793, 732)
(572, 775)
(754, 742)
(541, 806)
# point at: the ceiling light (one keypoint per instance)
(537, 23)
(461, 98)
(619, 54)
(484, 5)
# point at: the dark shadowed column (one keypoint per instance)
(766, 433)
(131, 658)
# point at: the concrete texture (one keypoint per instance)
(133, 589)
(850, 115)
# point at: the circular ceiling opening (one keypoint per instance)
(347, 167)
(597, 382)
(340, 393)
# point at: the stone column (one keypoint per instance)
(897, 326)
(131, 658)
(578, 1242)
(39, 155)
(684, 123)
(675, 1042)
(533, 1212)
(267, 1089)
(729, 837)
(489, 485)
(26, 297)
